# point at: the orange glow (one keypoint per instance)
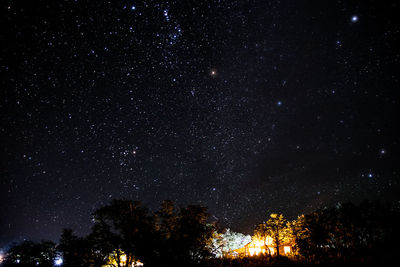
(272, 250)
(123, 259)
(258, 242)
(262, 245)
(254, 251)
(256, 247)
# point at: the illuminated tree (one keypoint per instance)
(299, 233)
(276, 229)
(261, 233)
(228, 241)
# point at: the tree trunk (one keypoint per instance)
(277, 245)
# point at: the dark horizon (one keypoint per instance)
(247, 108)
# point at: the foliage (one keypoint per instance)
(347, 233)
(164, 238)
(275, 227)
(193, 236)
(81, 251)
(29, 253)
(124, 232)
(225, 242)
(125, 225)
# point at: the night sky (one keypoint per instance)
(247, 107)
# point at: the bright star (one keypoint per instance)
(354, 18)
(133, 8)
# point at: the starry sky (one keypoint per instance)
(247, 107)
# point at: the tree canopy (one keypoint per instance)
(124, 232)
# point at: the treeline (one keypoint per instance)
(348, 233)
(124, 233)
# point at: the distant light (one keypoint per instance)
(58, 261)
(354, 18)
(370, 175)
(18, 261)
(133, 8)
(279, 103)
(383, 151)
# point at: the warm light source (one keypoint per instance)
(254, 251)
(123, 258)
(286, 249)
(258, 243)
(272, 251)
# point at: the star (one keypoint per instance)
(166, 15)
(208, 108)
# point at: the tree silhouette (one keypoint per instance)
(193, 235)
(29, 254)
(79, 251)
(127, 226)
